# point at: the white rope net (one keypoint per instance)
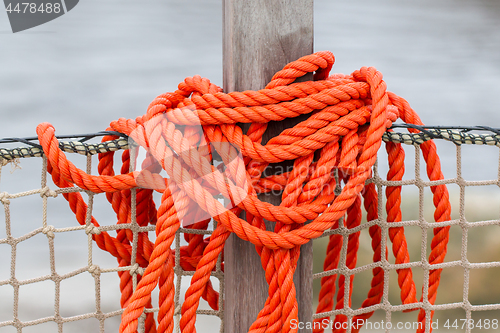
(53, 277)
(51, 285)
(468, 299)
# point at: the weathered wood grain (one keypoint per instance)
(260, 37)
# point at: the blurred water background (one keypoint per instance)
(109, 59)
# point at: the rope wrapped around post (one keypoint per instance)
(348, 115)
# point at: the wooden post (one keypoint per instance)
(260, 37)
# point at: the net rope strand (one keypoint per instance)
(338, 143)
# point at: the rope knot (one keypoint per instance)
(47, 192)
(4, 198)
(136, 269)
(49, 231)
(94, 270)
(92, 229)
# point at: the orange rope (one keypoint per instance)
(348, 115)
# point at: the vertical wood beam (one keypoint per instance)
(259, 38)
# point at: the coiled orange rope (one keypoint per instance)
(348, 115)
